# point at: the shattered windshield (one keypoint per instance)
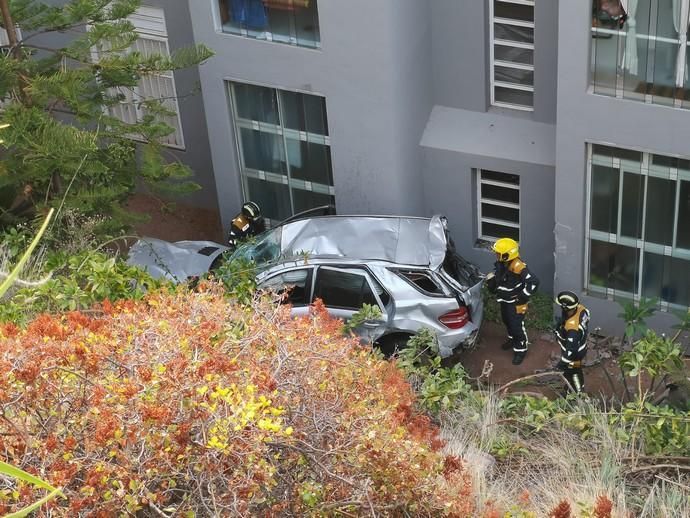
(265, 249)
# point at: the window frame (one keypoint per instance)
(309, 283)
(480, 200)
(244, 33)
(493, 84)
(353, 270)
(641, 245)
(682, 43)
(281, 130)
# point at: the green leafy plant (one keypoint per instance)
(634, 316)
(368, 313)
(86, 160)
(239, 279)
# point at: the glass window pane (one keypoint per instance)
(280, 24)
(273, 198)
(500, 177)
(614, 266)
(513, 11)
(342, 289)
(510, 96)
(607, 57)
(498, 212)
(661, 202)
(683, 221)
(633, 200)
(494, 192)
(305, 112)
(608, 152)
(514, 75)
(666, 278)
(604, 216)
(310, 162)
(514, 54)
(305, 200)
(256, 103)
(263, 151)
(307, 24)
(499, 231)
(503, 31)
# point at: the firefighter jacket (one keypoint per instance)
(242, 228)
(572, 336)
(512, 282)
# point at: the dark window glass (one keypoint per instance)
(495, 192)
(500, 177)
(499, 231)
(514, 54)
(273, 198)
(256, 103)
(661, 202)
(614, 152)
(605, 198)
(305, 112)
(310, 162)
(614, 266)
(633, 198)
(511, 96)
(498, 212)
(683, 222)
(343, 290)
(666, 278)
(503, 31)
(263, 151)
(513, 11)
(305, 200)
(514, 75)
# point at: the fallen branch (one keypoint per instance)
(683, 486)
(657, 466)
(532, 376)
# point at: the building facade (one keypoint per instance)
(559, 123)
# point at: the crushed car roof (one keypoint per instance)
(401, 240)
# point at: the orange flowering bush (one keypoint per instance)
(184, 404)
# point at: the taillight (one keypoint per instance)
(455, 319)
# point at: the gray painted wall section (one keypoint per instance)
(450, 188)
(376, 96)
(584, 117)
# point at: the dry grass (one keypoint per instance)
(556, 465)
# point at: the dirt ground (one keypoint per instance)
(175, 221)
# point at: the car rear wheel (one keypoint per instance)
(391, 344)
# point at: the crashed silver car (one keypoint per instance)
(406, 266)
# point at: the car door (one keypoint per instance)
(344, 291)
(296, 284)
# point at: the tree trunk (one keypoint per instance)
(9, 24)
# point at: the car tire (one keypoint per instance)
(391, 344)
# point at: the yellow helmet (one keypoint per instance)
(506, 249)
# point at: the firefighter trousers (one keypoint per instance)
(575, 377)
(515, 326)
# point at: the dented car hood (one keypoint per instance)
(401, 240)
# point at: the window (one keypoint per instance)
(297, 283)
(498, 197)
(646, 57)
(343, 290)
(153, 40)
(512, 53)
(421, 280)
(638, 232)
(284, 149)
(295, 22)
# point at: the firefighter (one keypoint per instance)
(249, 222)
(572, 333)
(513, 285)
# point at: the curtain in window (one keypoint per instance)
(286, 5)
(680, 20)
(249, 12)
(630, 60)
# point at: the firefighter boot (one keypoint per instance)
(518, 357)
